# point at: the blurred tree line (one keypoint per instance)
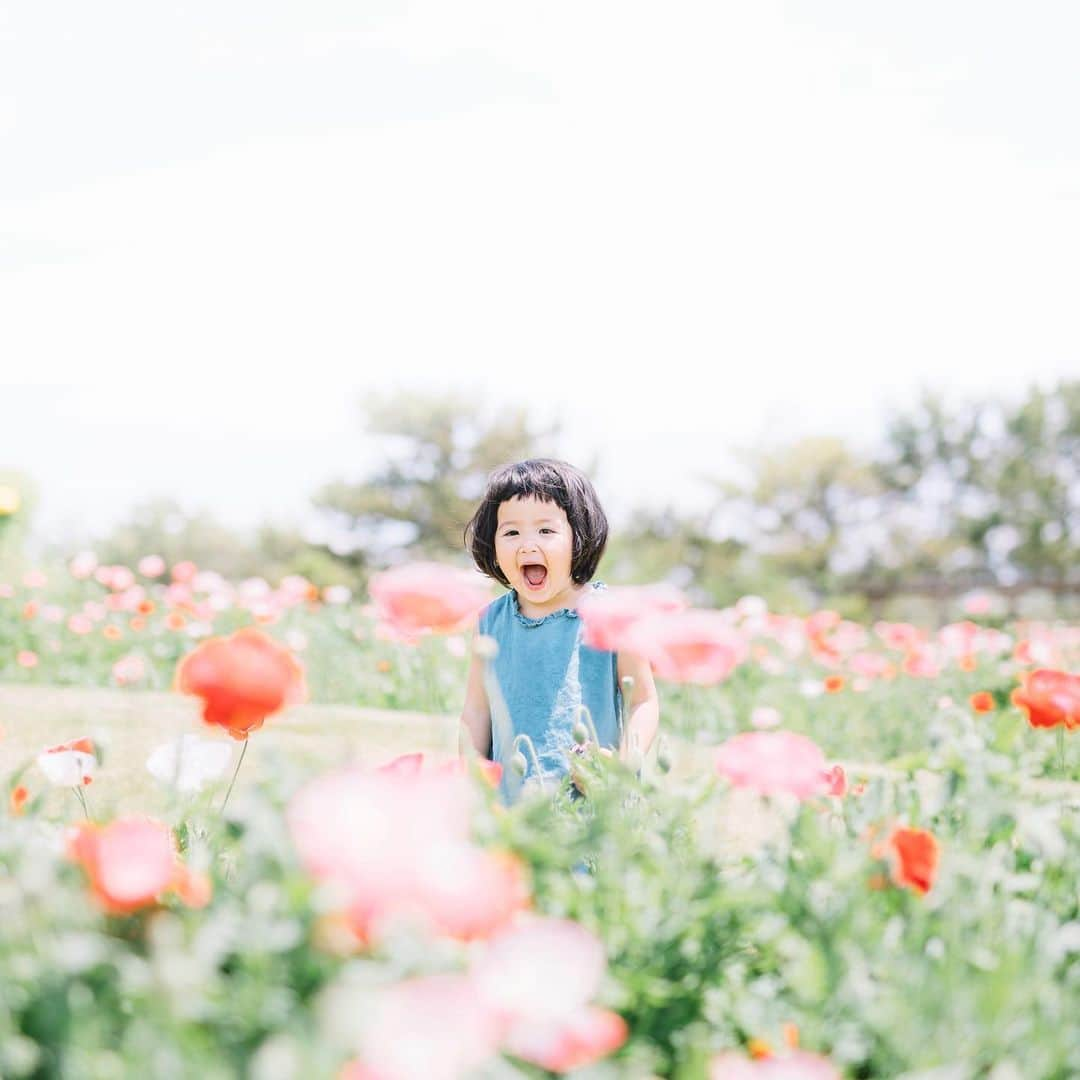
(985, 495)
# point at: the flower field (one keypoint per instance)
(236, 840)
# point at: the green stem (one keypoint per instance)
(233, 780)
(1061, 751)
(82, 799)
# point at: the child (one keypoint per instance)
(540, 530)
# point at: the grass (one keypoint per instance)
(128, 725)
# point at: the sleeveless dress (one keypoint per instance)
(535, 685)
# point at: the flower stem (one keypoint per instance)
(1061, 751)
(82, 798)
(233, 780)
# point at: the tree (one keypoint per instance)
(439, 450)
(991, 493)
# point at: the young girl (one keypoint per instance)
(540, 531)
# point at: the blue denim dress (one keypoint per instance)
(537, 682)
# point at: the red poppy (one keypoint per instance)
(836, 778)
(242, 679)
(1049, 698)
(18, 799)
(913, 855)
(982, 701)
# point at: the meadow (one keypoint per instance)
(853, 851)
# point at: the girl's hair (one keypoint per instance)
(549, 481)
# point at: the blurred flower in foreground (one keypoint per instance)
(428, 596)
(436, 1027)
(189, 762)
(242, 679)
(539, 976)
(608, 614)
(799, 1065)
(771, 762)
(69, 764)
(395, 844)
(9, 500)
(1049, 698)
(693, 646)
(131, 863)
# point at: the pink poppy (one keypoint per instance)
(436, 1027)
(771, 762)
(836, 779)
(80, 624)
(900, 636)
(131, 863)
(539, 975)
(798, 1065)
(872, 665)
(607, 615)
(151, 566)
(397, 845)
(128, 669)
(83, 565)
(540, 969)
(694, 646)
(429, 596)
(588, 1035)
(184, 572)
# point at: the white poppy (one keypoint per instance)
(67, 768)
(200, 761)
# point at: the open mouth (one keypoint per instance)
(535, 575)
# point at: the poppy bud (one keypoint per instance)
(519, 764)
(581, 733)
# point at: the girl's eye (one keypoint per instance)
(547, 530)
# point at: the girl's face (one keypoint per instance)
(534, 547)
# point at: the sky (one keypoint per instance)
(675, 228)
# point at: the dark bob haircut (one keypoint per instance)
(549, 481)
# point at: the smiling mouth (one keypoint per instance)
(535, 575)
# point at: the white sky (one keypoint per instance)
(676, 226)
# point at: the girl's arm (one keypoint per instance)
(643, 709)
(476, 712)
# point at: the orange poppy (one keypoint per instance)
(242, 679)
(834, 684)
(982, 701)
(18, 799)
